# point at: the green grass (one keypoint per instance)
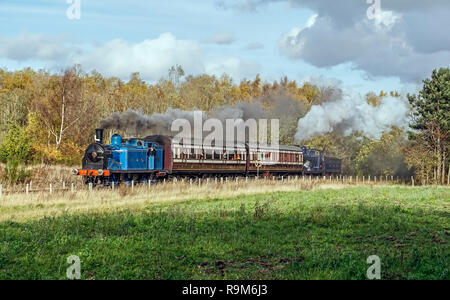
(319, 234)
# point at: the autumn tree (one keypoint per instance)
(63, 107)
(384, 156)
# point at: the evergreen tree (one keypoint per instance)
(432, 117)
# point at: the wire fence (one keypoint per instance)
(62, 187)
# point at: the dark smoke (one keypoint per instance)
(270, 106)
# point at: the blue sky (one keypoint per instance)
(241, 38)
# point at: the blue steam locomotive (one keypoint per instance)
(156, 157)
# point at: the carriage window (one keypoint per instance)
(217, 155)
(209, 154)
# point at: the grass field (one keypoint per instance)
(234, 231)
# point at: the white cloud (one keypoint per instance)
(232, 66)
(151, 57)
(254, 46)
(27, 46)
(222, 38)
(408, 39)
(380, 47)
(291, 44)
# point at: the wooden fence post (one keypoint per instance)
(51, 188)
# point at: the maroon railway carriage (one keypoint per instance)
(244, 159)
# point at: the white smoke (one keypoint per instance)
(352, 113)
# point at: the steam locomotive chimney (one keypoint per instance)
(99, 135)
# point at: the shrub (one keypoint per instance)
(16, 146)
(14, 173)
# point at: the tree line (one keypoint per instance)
(50, 117)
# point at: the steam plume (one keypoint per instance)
(352, 113)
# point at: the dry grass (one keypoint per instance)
(21, 207)
(42, 175)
